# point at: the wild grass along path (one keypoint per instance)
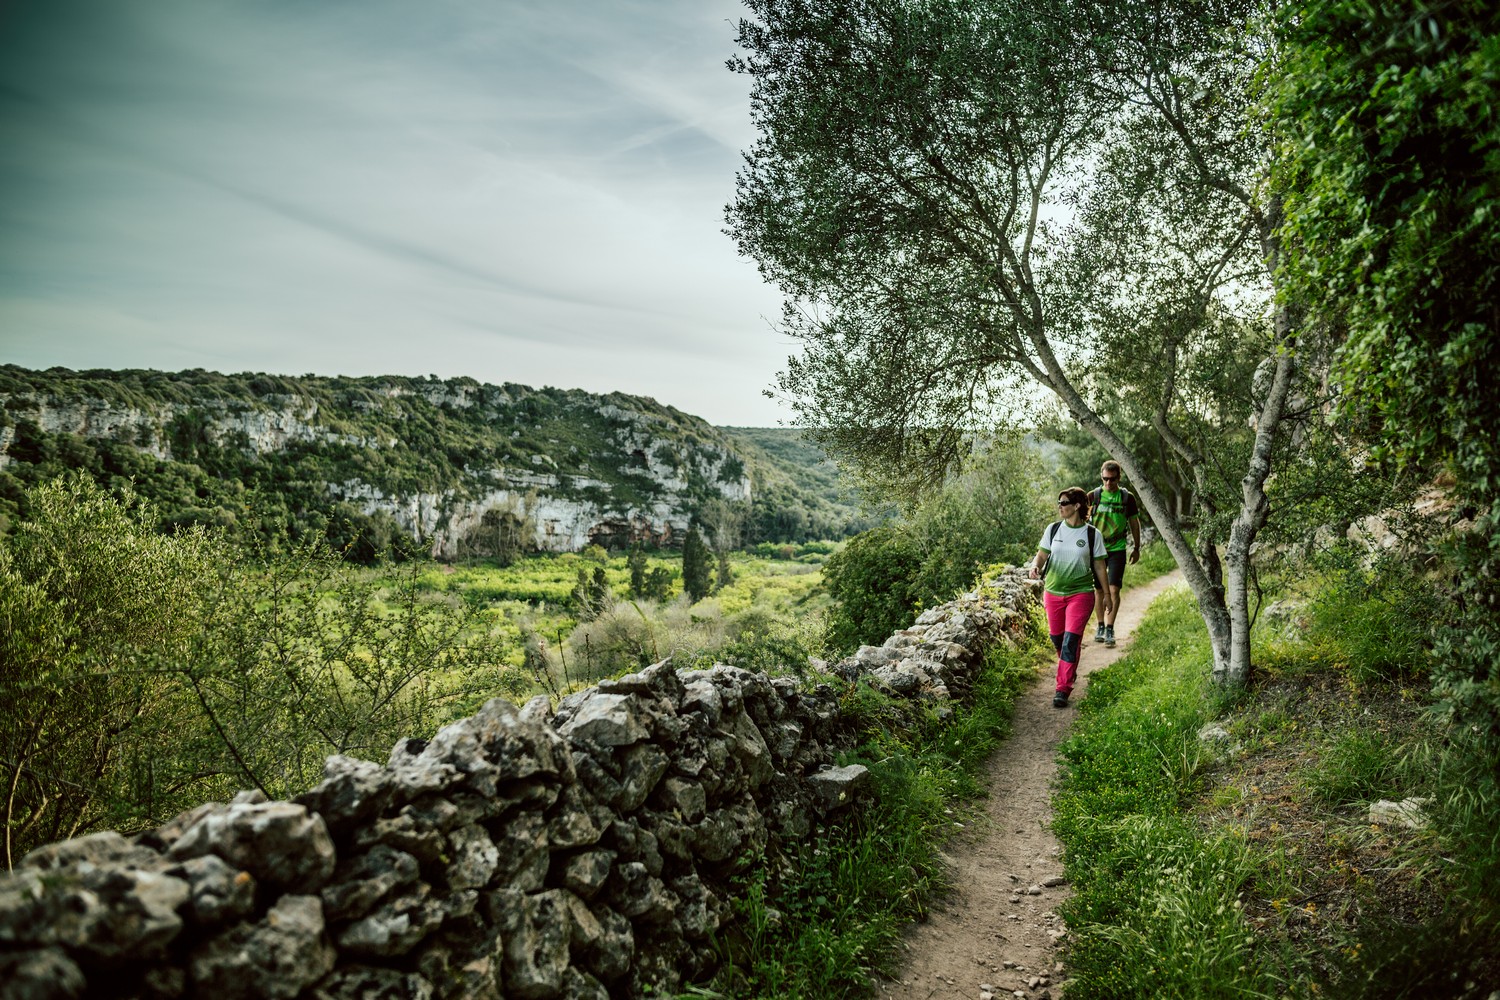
(999, 927)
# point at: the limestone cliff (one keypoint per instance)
(446, 459)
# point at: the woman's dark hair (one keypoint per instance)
(1078, 495)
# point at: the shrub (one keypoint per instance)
(630, 635)
(91, 600)
(871, 581)
(145, 673)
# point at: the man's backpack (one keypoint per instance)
(1052, 536)
(1098, 491)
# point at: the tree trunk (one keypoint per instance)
(1210, 596)
(1254, 506)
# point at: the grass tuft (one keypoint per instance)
(1248, 866)
(821, 921)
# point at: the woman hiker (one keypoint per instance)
(1073, 555)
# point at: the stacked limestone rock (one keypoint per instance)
(522, 852)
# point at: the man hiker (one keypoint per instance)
(1112, 509)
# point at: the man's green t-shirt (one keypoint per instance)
(1111, 514)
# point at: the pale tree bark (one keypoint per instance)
(1222, 621)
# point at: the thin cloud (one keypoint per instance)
(535, 189)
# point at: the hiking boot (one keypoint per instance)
(1109, 635)
(1059, 700)
(1099, 633)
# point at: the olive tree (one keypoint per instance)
(964, 200)
(92, 600)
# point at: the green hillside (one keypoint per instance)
(391, 458)
(799, 492)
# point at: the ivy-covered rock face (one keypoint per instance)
(461, 468)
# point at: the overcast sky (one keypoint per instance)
(516, 191)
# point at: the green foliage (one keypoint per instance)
(636, 562)
(1466, 649)
(992, 511)
(760, 640)
(697, 566)
(591, 594)
(1388, 164)
(803, 552)
(1377, 623)
(91, 598)
(753, 624)
(818, 923)
(505, 532)
(871, 580)
(884, 130)
(658, 585)
(313, 660)
(146, 673)
(1389, 160)
(723, 571)
(626, 637)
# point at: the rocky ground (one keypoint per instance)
(998, 933)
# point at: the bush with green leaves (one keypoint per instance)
(993, 511)
(872, 581)
(96, 608)
(1388, 165)
(145, 673)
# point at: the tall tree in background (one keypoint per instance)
(636, 561)
(724, 524)
(697, 566)
(962, 199)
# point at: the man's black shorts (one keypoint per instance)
(1114, 568)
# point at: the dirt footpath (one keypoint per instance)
(996, 935)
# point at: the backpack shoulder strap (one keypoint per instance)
(1051, 537)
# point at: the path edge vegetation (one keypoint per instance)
(1190, 879)
(827, 920)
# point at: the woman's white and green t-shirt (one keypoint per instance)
(1070, 569)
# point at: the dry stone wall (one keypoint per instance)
(527, 852)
